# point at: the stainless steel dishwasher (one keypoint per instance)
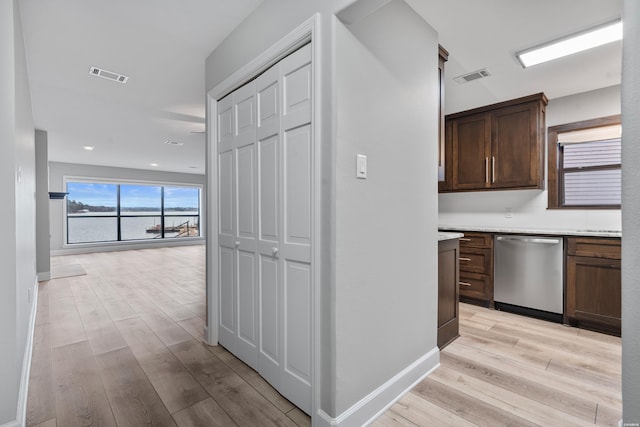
(528, 275)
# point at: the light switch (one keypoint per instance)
(361, 166)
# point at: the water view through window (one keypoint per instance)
(104, 212)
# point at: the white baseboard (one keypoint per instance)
(21, 416)
(375, 403)
(13, 423)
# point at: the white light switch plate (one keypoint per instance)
(361, 166)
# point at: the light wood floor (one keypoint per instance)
(121, 345)
(509, 370)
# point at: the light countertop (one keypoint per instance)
(448, 236)
(517, 230)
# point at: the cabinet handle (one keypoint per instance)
(237, 243)
(486, 170)
(465, 239)
(464, 284)
(493, 169)
(464, 259)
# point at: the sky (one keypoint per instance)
(132, 196)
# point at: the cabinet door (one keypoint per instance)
(516, 159)
(471, 152)
(447, 292)
(594, 292)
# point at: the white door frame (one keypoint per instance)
(304, 33)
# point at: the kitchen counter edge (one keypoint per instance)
(487, 229)
(442, 236)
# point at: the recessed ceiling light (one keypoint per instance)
(109, 75)
(176, 143)
(154, 164)
(574, 43)
(88, 147)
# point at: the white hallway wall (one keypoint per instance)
(17, 186)
(57, 172)
(631, 214)
(530, 206)
(386, 108)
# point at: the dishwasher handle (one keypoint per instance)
(539, 240)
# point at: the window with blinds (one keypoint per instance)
(590, 167)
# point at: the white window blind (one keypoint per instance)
(591, 172)
(601, 133)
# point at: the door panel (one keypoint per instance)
(225, 192)
(514, 146)
(268, 187)
(268, 90)
(247, 321)
(226, 258)
(297, 171)
(227, 329)
(471, 148)
(270, 309)
(268, 87)
(245, 178)
(297, 324)
(297, 89)
(225, 123)
(244, 111)
(295, 249)
(296, 381)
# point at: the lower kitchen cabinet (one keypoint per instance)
(593, 284)
(448, 314)
(476, 268)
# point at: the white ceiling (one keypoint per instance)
(486, 34)
(162, 45)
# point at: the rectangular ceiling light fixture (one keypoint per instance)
(109, 75)
(574, 43)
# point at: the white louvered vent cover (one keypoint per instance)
(474, 75)
(109, 75)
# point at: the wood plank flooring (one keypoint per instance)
(509, 370)
(122, 346)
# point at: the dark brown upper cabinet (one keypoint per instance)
(500, 146)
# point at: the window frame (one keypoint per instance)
(554, 161)
(118, 215)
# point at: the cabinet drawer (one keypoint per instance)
(474, 285)
(475, 260)
(594, 247)
(476, 240)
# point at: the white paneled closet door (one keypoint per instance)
(275, 251)
(238, 224)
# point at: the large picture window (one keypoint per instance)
(106, 212)
(585, 164)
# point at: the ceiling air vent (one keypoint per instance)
(475, 75)
(109, 75)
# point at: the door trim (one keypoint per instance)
(303, 34)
